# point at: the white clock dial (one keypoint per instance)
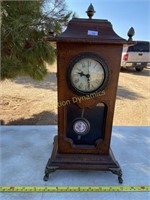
(87, 75)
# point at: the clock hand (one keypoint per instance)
(88, 79)
(81, 74)
(88, 75)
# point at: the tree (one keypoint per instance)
(24, 47)
(56, 13)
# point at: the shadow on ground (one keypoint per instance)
(144, 72)
(127, 94)
(49, 82)
(43, 118)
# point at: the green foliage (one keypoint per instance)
(24, 48)
(56, 13)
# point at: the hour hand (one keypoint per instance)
(81, 74)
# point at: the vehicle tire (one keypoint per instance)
(138, 69)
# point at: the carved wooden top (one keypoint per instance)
(90, 31)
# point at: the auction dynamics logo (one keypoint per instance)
(80, 99)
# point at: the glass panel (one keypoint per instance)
(96, 119)
(140, 47)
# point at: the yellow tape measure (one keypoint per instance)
(75, 189)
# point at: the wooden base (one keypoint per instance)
(82, 162)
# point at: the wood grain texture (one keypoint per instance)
(108, 46)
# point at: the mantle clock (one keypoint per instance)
(88, 66)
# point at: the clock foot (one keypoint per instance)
(45, 178)
(118, 172)
(49, 169)
(120, 180)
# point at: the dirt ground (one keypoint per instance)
(28, 102)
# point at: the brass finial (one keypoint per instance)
(131, 33)
(90, 11)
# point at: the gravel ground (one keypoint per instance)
(28, 102)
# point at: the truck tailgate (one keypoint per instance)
(139, 57)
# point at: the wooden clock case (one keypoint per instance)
(85, 36)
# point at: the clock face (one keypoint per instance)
(87, 73)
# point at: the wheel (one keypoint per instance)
(138, 69)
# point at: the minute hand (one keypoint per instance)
(88, 79)
(88, 75)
